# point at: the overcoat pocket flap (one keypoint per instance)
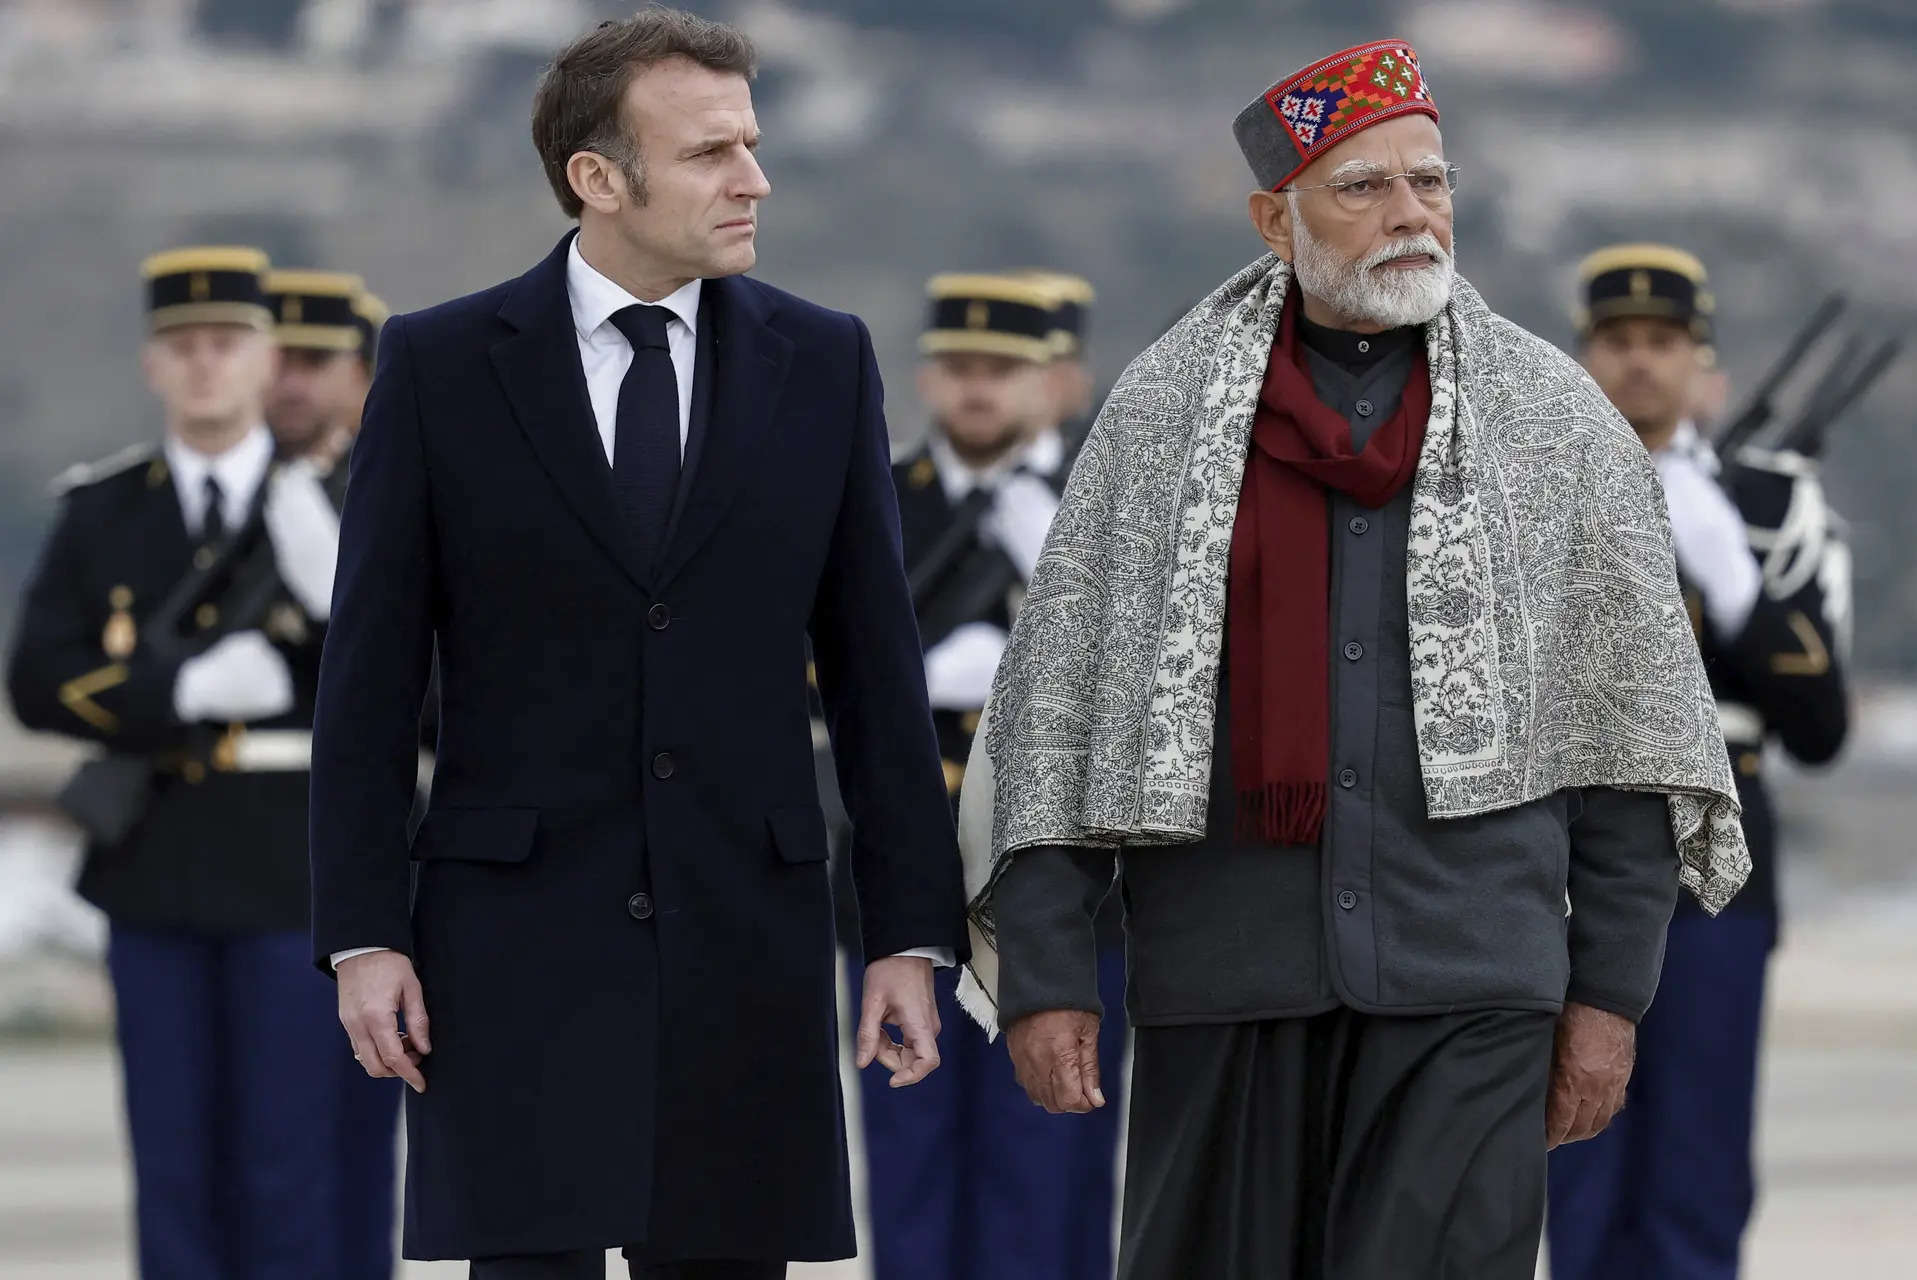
(798, 832)
(476, 835)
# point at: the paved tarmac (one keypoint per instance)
(1839, 1136)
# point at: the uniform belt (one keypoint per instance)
(265, 751)
(1741, 723)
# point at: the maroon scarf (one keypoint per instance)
(1280, 582)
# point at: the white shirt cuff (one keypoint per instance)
(338, 956)
(941, 957)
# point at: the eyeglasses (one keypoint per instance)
(1432, 184)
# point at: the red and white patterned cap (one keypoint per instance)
(1304, 115)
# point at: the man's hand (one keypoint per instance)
(898, 993)
(1055, 1055)
(1595, 1053)
(372, 989)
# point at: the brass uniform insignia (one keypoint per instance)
(120, 635)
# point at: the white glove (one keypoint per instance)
(241, 678)
(959, 668)
(1019, 519)
(304, 530)
(1713, 549)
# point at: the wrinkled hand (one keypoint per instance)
(372, 989)
(1592, 1066)
(1055, 1055)
(898, 993)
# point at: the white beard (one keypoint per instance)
(1359, 291)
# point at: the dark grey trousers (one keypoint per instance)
(1343, 1146)
(590, 1264)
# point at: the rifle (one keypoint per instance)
(1757, 414)
(1821, 411)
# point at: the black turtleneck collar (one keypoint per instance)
(1355, 351)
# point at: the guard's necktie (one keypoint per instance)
(213, 522)
(645, 443)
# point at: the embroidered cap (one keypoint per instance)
(206, 284)
(313, 310)
(1645, 280)
(1071, 315)
(1001, 315)
(1303, 116)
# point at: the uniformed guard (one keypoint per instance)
(1666, 1192)
(327, 324)
(175, 619)
(968, 1179)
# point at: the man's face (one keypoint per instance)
(1648, 367)
(985, 404)
(316, 394)
(1389, 263)
(211, 374)
(697, 211)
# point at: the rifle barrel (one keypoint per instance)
(1807, 434)
(1758, 412)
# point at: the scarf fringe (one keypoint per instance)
(1282, 813)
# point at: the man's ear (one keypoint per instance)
(596, 181)
(1271, 218)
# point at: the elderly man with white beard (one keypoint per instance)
(1356, 656)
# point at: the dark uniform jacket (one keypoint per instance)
(216, 850)
(1778, 677)
(622, 922)
(1393, 913)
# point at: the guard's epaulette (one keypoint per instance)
(87, 473)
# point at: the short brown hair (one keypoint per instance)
(577, 105)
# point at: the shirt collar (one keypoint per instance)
(239, 470)
(1044, 455)
(595, 296)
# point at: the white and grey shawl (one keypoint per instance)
(1550, 647)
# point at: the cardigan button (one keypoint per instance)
(1348, 900)
(1348, 779)
(1354, 651)
(1360, 525)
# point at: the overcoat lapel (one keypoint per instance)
(748, 368)
(539, 370)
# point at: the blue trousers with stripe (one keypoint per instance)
(260, 1150)
(969, 1181)
(1666, 1192)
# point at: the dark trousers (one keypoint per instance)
(969, 1181)
(1665, 1193)
(1338, 1147)
(235, 1099)
(590, 1264)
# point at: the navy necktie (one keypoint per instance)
(213, 521)
(645, 443)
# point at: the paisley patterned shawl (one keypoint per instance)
(1549, 643)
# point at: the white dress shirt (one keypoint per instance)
(239, 471)
(606, 355)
